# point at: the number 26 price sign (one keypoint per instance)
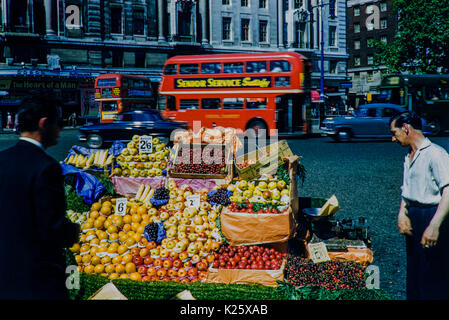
(145, 144)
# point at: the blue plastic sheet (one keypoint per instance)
(115, 149)
(87, 185)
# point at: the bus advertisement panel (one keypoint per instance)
(261, 91)
(121, 92)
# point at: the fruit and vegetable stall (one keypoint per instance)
(203, 216)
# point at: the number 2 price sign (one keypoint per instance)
(193, 201)
(120, 206)
(145, 144)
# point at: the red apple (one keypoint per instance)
(201, 266)
(157, 262)
(142, 269)
(137, 260)
(177, 263)
(148, 260)
(192, 272)
(167, 263)
(161, 272)
(182, 272)
(151, 271)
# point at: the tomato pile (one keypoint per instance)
(248, 257)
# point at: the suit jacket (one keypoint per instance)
(33, 226)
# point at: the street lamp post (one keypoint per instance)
(321, 5)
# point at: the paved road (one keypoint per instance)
(366, 178)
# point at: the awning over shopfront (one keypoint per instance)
(315, 95)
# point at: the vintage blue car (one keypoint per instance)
(369, 121)
(130, 123)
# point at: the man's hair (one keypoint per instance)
(409, 117)
(34, 107)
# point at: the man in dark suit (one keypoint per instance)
(33, 226)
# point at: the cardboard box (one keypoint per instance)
(226, 149)
(249, 228)
(262, 159)
(246, 276)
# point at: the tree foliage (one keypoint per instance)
(421, 43)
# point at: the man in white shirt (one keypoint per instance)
(423, 211)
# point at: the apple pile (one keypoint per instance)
(248, 257)
(135, 164)
(270, 195)
(109, 243)
(246, 163)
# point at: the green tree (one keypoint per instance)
(421, 43)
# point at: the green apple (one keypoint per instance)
(281, 185)
(272, 185)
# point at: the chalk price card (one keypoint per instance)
(318, 252)
(193, 201)
(120, 206)
(145, 144)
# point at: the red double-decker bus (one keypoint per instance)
(249, 90)
(120, 92)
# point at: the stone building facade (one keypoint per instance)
(368, 21)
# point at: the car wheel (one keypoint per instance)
(435, 126)
(259, 129)
(94, 141)
(344, 135)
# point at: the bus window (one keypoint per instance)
(256, 66)
(170, 103)
(188, 69)
(109, 106)
(233, 103)
(106, 92)
(280, 66)
(210, 103)
(210, 68)
(282, 81)
(233, 67)
(256, 103)
(171, 69)
(188, 104)
(433, 93)
(107, 82)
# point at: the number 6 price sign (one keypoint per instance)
(145, 144)
(120, 206)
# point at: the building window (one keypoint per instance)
(244, 3)
(370, 76)
(116, 20)
(139, 22)
(263, 4)
(356, 61)
(332, 36)
(226, 2)
(383, 23)
(356, 12)
(332, 10)
(300, 31)
(370, 9)
(383, 6)
(370, 59)
(332, 66)
(226, 24)
(356, 44)
(356, 27)
(383, 39)
(370, 42)
(297, 4)
(245, 30)
(263, 31)
(117, 59)
(140, 59)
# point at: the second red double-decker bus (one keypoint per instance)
(252, 90)
(120, 92)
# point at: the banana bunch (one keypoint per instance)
(76, 217)
(99, 159)
(144, 194)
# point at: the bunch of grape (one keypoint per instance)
(151, 230)
(219, 197)
(161, 194)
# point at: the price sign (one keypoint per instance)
(145, 144)
(194, 201)
(120, 206)
(318, 252)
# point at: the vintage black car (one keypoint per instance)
(129, 123)
(369, 121)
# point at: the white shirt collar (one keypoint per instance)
(35, 142)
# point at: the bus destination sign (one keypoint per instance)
(213, 83)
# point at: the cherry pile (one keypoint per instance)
(330, 275)
(248, 257)
(196, 162)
